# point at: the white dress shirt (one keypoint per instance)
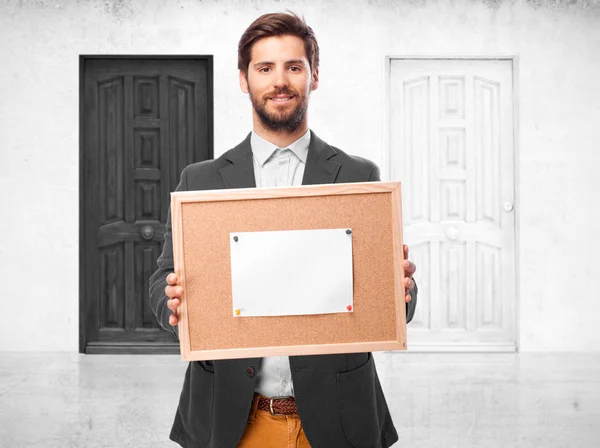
(276, 167)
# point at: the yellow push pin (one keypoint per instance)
(237, 312)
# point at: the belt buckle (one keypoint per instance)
(271, 404)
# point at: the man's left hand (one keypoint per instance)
(409, 270)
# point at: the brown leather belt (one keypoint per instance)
(278, 405)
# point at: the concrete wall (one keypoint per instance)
(558, 45)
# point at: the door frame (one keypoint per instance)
(83, 59)
(386, 170)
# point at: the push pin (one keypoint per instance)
(349, 307)
(348, 231)
(237, 312)
(235, 238)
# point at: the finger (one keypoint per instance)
(172, 278)
(173, 291)
(405, 247)
(409, 283)
(409, 267)
(173, 304)
(407, 298)
(173, 320)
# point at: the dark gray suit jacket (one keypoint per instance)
(339, 397)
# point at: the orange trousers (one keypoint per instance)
(272, 431)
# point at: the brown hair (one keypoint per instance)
(278, 24)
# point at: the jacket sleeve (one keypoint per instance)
(412, 305)
(158, 280)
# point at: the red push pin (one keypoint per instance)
(349, 307)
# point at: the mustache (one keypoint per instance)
(282, 91)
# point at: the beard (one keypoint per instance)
(280, 120)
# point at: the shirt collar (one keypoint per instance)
(263, 149)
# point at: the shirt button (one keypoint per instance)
(250, 372)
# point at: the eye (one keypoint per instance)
(295, 68)
(264, 69)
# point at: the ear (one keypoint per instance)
(315, 80)
(243, 82)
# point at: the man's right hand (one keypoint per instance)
(174, 292)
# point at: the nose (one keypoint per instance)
(281, 78)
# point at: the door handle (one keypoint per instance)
(452, 233)
(147, 232)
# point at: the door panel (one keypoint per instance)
(451, 135)
(144, 119)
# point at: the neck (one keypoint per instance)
(281, 139)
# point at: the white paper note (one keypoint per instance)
(292, 272)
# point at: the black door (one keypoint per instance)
(143, 119)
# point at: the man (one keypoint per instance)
(332, 401)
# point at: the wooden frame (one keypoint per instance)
(377, 252)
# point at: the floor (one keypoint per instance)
(437, 400)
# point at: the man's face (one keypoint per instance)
(279, 82)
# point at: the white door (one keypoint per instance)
(451, 146)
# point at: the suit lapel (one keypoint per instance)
(240, 173)
(319, 169)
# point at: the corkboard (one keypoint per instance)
(202, 223)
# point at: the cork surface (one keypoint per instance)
(205, 233)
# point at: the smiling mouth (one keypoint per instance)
(281, 99)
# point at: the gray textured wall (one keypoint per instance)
(558, 49)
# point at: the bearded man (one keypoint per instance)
(322, 401)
